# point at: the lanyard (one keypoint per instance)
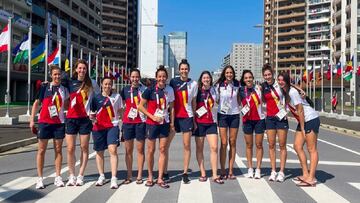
(158, 99)
(247, 97)
(206, 98)
(132, 94)
(181, 86)
(232, 89)
(104, 105)
(276, 96)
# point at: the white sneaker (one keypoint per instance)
(40, 184)
(58, 182)
(281, 177)
(250, 173)
(272, 176)
(101, 181)
(257, 173)
(114, 184)
(80, 180)
(71, 181)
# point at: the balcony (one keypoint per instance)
(318, 39)
(292, 50)
(292, 24)
(291, 15)
(294, 32)
(337, 40)
(313, 3)
(292, 6)
(320, 20)
(292, 59)
(319, 29)
(336, 27)
(292, 41)
(322, 48)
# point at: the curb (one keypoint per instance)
(342, 130)
(17, 144)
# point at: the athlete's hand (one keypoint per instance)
(157, 119)
(303, 132)
(172, 126)
(195, 126)
(31, 125)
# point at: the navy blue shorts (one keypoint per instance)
(311, 125)
(249, 127)
(106, 137)
(184, 124)
(272, 123)
(157, 131)
(51, 131)
(83, 126)
(134, 131)
(205, 129)
(228, 121)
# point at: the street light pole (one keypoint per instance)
(277, 38)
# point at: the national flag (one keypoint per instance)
(21, 51)
(338, 68)
(67, 65)
(4, 39)
(328, 73)
(38, 54)
(54, 57)
(358, 71)
(349, 70)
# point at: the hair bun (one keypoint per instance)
(184, 61)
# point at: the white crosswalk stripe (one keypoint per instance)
(129, 193)
(13, 187)
(355, 185)
(195, 192)
(65, 194)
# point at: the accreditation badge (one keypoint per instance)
(281, 114)
(245, 109)
(201, 111)
(53, 111)
(133, 113)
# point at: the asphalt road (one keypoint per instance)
(338, 176)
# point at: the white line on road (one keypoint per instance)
(65, 194)
(254, 188)
(129, 193)
(195, 192)
(11, 188)
(335, 145)
(355, 185)
(321, 193)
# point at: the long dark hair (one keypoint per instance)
(287, 86)
(242, 82)
(200, 84)
(222, 77)
(184, 62)
(87, 81)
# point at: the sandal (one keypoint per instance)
(127, 181)
(298, 178)
(306, 184)
(149, 183)
(139, 181)
(163, 185)
(218, 180)
(231, 177)
(203, 179)
(223, 177)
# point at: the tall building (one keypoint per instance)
(119, 32)
(161, 50)
(246, 56)
(318, 33)
(284, 33)
(226, 61)
(177, 49)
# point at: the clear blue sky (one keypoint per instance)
(212, 26)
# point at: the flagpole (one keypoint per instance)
(29, 70)
(118, 79)
(103, 66)
(71, 60)
(342, 85)
(113, 71)
(307, 81)
(322, 85)
(81, 53)
(8, 70)
(46, 55)
(89, 64)
(60, 53)
(331, 88)
(97, 67)
(354, 73)
(109, 67)
(314, 83)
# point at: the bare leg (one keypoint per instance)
(187, 150)
(213, 142)
(70, 145)
(151, 144)
(232, 141)
(84, 144)
(223, 146)
(282, 134)
(113, 159)
(259, 149)
(200, 154)
(271, 135)
(40, 156)
(140, 146)
(162, 154)
(129, 148)
(58, 155)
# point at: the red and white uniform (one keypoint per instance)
(132, 97)
(107, 111)
(206, 99)
(274, 98)
(251, 97)
(185, 92)
(52, 99)
(158, 98)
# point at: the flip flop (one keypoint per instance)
(218, 181)
(297, 178)
(139, 181)
(223, 176)
(306, 184)
(127, 181)
(149, 183)
(203, 179)
(163, 185)
(231, 177)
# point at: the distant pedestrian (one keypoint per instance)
(228, 118)
(52, 97)
(105, 110)
(159, 101)
(253, 119)
(206, 126)
(334, 102)
(306, 131)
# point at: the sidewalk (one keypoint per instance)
(19, 135)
